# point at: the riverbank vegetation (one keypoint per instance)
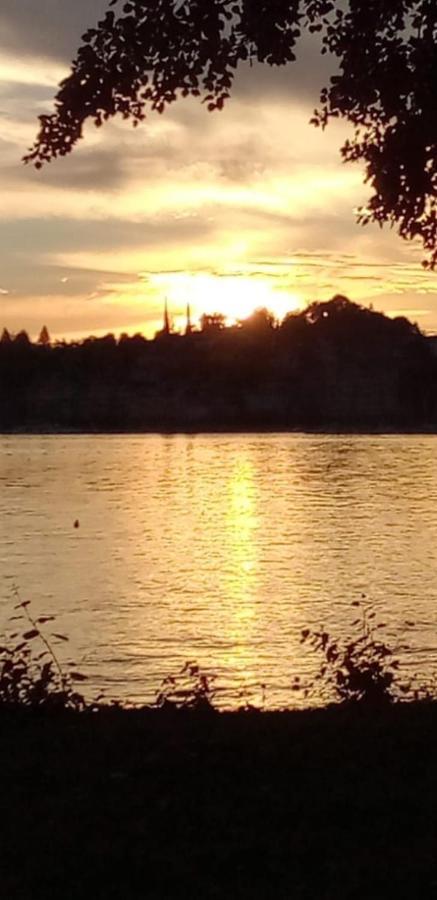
(334, 365)
(360, 669)
(180, 800)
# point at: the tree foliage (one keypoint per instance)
(334, 364)
(150, 52)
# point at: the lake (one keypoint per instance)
(219, 549)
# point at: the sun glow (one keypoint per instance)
(235, 296)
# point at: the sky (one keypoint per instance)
(228, 211)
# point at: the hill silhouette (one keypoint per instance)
(333, 365)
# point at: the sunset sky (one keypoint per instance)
(233, 210)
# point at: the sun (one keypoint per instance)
(235, 296)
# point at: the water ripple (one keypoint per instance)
(220, 549)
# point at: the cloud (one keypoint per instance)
(92, 169)
(51, 29)
(16, 96)
(299, 82)
(51, 235)
(251, 193)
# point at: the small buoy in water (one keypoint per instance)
(76, 524)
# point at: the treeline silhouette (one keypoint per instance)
(333, 365)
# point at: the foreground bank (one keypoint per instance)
(160, 803)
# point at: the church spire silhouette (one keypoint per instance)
(166, 326)
(188, 327)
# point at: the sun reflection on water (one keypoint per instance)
(242, 546)
(219, 549)
(241, 571)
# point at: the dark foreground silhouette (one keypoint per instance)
(166, 803)
(335, 365)
(179, 800)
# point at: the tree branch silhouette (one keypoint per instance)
(152, 52)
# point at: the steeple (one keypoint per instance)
(166, 328)
(188, 327)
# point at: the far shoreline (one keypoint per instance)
(181, 430)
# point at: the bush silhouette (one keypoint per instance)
(191, 688)
(363, 669)
(31, 674)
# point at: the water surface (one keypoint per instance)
(219, 549)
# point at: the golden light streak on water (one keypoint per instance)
(219, 549)
(240, 574)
